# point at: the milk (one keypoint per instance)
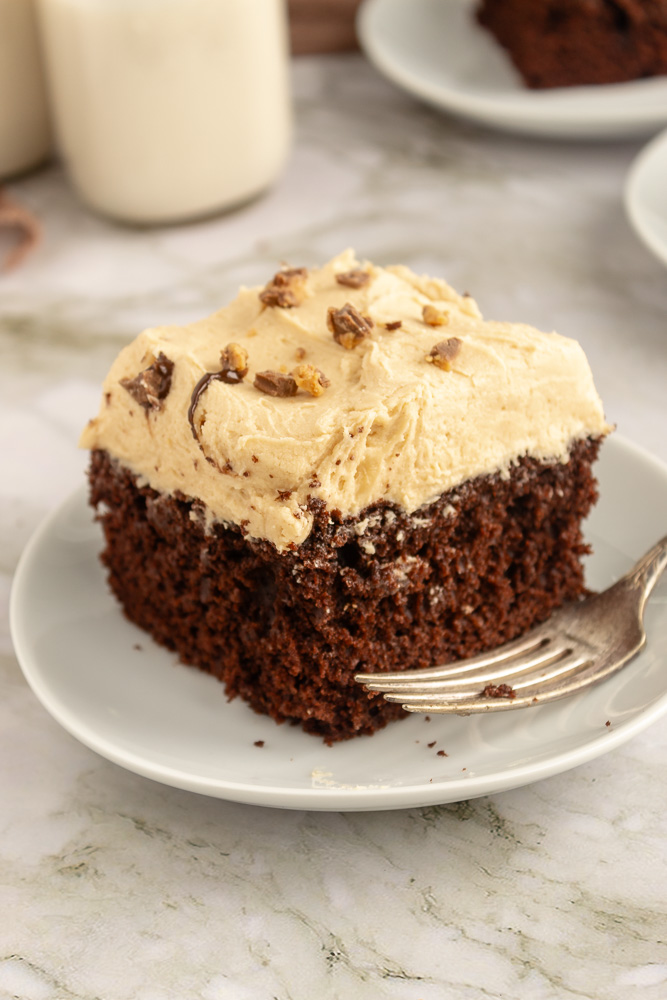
(168, 109)
(24, 125)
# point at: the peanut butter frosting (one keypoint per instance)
(351, 384)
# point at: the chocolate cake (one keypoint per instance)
(563, 43)
(346, 470)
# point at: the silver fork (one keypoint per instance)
(581, 644)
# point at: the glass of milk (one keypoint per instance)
(167, 110)
(25, 139)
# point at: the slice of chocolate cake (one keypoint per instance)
(346, 470)
(564, 43)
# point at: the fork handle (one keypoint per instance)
(643, 577)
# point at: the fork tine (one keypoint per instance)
(538, 694)
(526, 644)
(544, 655)
(568, 662)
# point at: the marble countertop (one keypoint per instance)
(116, 887)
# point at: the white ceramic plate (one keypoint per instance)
(436, 50)
(646, 196)
(110, 686)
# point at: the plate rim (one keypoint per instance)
(654, 150)
(341, 798)
(529, 111)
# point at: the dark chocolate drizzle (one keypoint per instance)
(228, 375)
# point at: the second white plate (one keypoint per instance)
(436, 50)
(646, 196)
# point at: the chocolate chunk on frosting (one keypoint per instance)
(275, 384)
(286, 288)
(443, 353)
(151, 386)
(356, 278)
(348, 326)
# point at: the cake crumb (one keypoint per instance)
(608, 723)
(441, 753)
(430, 745)
(498, 691)
(394, 325)
(348, 326)
(259, 743)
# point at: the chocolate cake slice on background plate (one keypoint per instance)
(566, 43)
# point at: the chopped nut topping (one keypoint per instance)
(348, 326)
(151, 386)
(444, 353)
(275, 384)
(286, 289)
(434, 317)
(300, 353)
(354, 279)
(234, 361)
(396, 325)
(311, 379)
(284, 494)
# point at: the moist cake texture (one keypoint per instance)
(345, 470)
(561, 43)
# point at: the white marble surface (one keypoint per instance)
(115, 887)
